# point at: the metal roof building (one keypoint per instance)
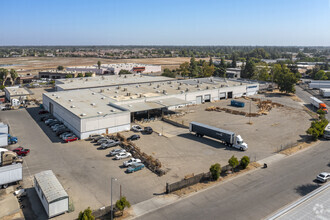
(51, 193)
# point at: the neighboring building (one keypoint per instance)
(233, 73)
(51, 193)
(105, 81)
(17, 93)
(56, 74)
(111, 109)
(114, 69)
(4, 130)
(25, 79)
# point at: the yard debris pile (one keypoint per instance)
(264, 108)
(149, 161)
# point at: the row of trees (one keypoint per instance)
(317, 127)
(215, 169)
(5, 74)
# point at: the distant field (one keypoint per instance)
(35, 64)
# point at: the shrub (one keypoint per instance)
(86, 215)
(88, 74)
(68, 76)
(233, 162)
(317, 128)
(80, 75)
(245, 160)
(215, 170)
(122, 203)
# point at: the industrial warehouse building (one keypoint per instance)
(111, 109)
(114, 69)
(17, 93)
(51, 193)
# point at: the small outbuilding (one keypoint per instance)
(51, 193)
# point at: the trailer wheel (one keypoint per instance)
(241, 148)
(5, 186)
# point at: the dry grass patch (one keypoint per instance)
(199, 186)
(297, 148)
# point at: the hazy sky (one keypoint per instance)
(165, 22)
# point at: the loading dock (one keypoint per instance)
(199, 99)
(222, 95)
(230, 95)
(207, 98)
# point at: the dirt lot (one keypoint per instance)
(35, 64)
(182, 153)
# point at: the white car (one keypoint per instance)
(131, 161)
(323, 177)
(117, 151)
(122, 155)
(137, 128)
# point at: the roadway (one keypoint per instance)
(257, 194)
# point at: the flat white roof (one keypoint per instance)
(50, 186)
(103, 81)
(18, 91)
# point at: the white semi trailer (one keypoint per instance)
(10, 174)
(325, 92)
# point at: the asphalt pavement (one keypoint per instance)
(257, 194)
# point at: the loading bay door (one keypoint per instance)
(222, 95)
(199, 99)
(207, 98)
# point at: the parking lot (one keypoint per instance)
(84, 171)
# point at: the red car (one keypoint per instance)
(70, 139)
(20, 151)
(41, 112)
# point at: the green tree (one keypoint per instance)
(233, 162)
(193, 69)
(86, 215)
(320, 75)
(207, 70)
(60, 68)
(284, 78)
(13, 75)
(234, 60)
(4, 75)
(317, 128)
(211, 62)
(68, 76)
(249, 69)
(122, 203)
(99, 64)
(184, 69)
(245, 160)
(262, 74)
(168, 73)
(215, 170)
(80, 75)
(88, 74)
(123, 72)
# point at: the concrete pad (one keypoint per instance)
(9, 206)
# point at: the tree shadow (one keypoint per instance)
(307, 188)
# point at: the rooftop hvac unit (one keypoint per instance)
(118, 87)
(102, 97)
(131, 97)
(125, 89)
(129, 105)
(70, 100)
(150, 84)
(182, 92)
(187, 89)
(112, 110)
(99, 113)
(207, 87)
(108, 89)
(155, 88)
(199, 89)
(101, 90)
(116, 91)
(93, 93)
(57, 97)
(125, 76)
(214, 87)
(158, 86)
(128, 94)
(164, 91)
(83, 114)
(179, 87)
(180, 84)
(54, 94)
(197, 86)
(72, 106)
(115, 96)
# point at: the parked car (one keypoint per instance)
(12, 140)
(63, 130)
(41, 112)
(58, 128)
(92, 136)
(135, 167)
(54, 123)
(122, 155)
(133, 137)
(117, 151)
(46, 117)
(131, 161)
(57, 125)
(110, 143)
(148, 130)
(48, 121)
(20, 151)
(137, 128)
(70, 139)
(323, 177)
(102, 140)
(97, 138)
(5, 108)
(67, 135)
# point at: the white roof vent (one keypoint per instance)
(70, 100)
(93, 93)
(93, 104)
(112, 110)
(129, 105)
(57, 97)
(99, 113)
(72, 106)
(102, 98)
(83, 114)
(53, 94)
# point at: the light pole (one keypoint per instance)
(111, 197)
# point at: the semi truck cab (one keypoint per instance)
(240, 144)
(323, 107)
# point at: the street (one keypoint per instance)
(257, 194)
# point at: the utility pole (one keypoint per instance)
(111, 197)
(250, 113)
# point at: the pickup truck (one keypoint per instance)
(12, 140)
(20, 151)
